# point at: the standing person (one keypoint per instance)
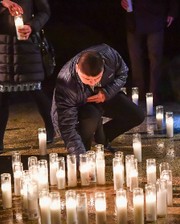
(89, 87)
(145, 33)
(21, 67)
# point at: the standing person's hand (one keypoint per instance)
(14, 8)
(169, 20)
(25, 31)
(124, 4)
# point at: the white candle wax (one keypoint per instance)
(137, 148)
(17, 182)
(149, 105)
(44, 204)
(151, 174)
(55, 212)
(61, 181)
(18, 20)
(169, 127)
(133, 179)
(100, 171)
(138, 202)
(53, 169)
(151, 212)
(84, 172)
(100, 206)
(162, 202)
(135, 98)
(118, 176)
(121, 208)
(42, 143)
(6, 195)
(71, 211)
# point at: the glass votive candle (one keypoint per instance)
(149, 104)
(151, 171)
(43, 182)
(32, 160)
(18, 20)
(137, 146)
(100, 207)
(121, 206)
(164, 166)
(135, 95)
(71, 205)
(138, 203)
(159, 116)
(42, 136)
(119, 154)
(26, 179)
(61, 173)
(44, 205)
(92, 165)
(55, 208)
(16, 158)
(161, 187)
(128, 160)
(134, 183)
(167, 175)
(53, 168)
(100, 168)
(18, 169)
(118, 173)
(82, 208)
(169, 124)
(151, 210)
(72, 170)
(99, 147)
(6, 189)
(84, 169)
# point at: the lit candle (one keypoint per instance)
(149, 104)
(135, 95)
(42, 141)
(161, 198)
(137, 147)
(84, 169)
(42, 175)
(32, 197)
(151, 210)
(82, 210)
(53, 168)
(26, 179)
(18, 20)
(100, 206)
(128, 161)
(6, 189)
(71, 170)
(167, 175)
(71, 213)
(169, 124)
(44, 204)
(138, 203)
(151, 171)
(118, 173)
(55, 208)
(16, 158)
(163, 166)
(121, 206)
(61, 174)
(18, 168)
(100, 168)
(159, 116)
(92, 165)
(133, 179)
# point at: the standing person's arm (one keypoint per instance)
(13, 7)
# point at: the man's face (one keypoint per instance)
(89, 80)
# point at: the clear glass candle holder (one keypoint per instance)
(138, 203)
(92, 165)
(164, 166)
(159, 116)
(149, 104)
(100, 207)
(61, 173)
(99, 147)
(84, 169)
(128, 160)
(55, 207)
(121, 206)
(44, 205)
(82, 208)
(100, 168)
(72, 170)
(6, 189)
(53, 168)
(161, 187)
(135, 95)
(169, 124)
(17, 174)
(32, 160)
(43, 183)
(118, 173)
(150, 199)
(137, 146)
(71, 207)
(151, 171)
(18, 20)
(42, 136)
(16, 158)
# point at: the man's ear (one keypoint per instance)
(77, 68)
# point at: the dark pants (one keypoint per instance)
(124, 114)
(145, 48)
(44, 107)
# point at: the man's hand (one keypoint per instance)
(169, 20)
(14, 8)
(124, 4)
(25, 31)
(98, 98)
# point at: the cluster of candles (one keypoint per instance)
(32, 186)
(159, 111)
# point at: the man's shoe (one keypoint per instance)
(111, 149)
